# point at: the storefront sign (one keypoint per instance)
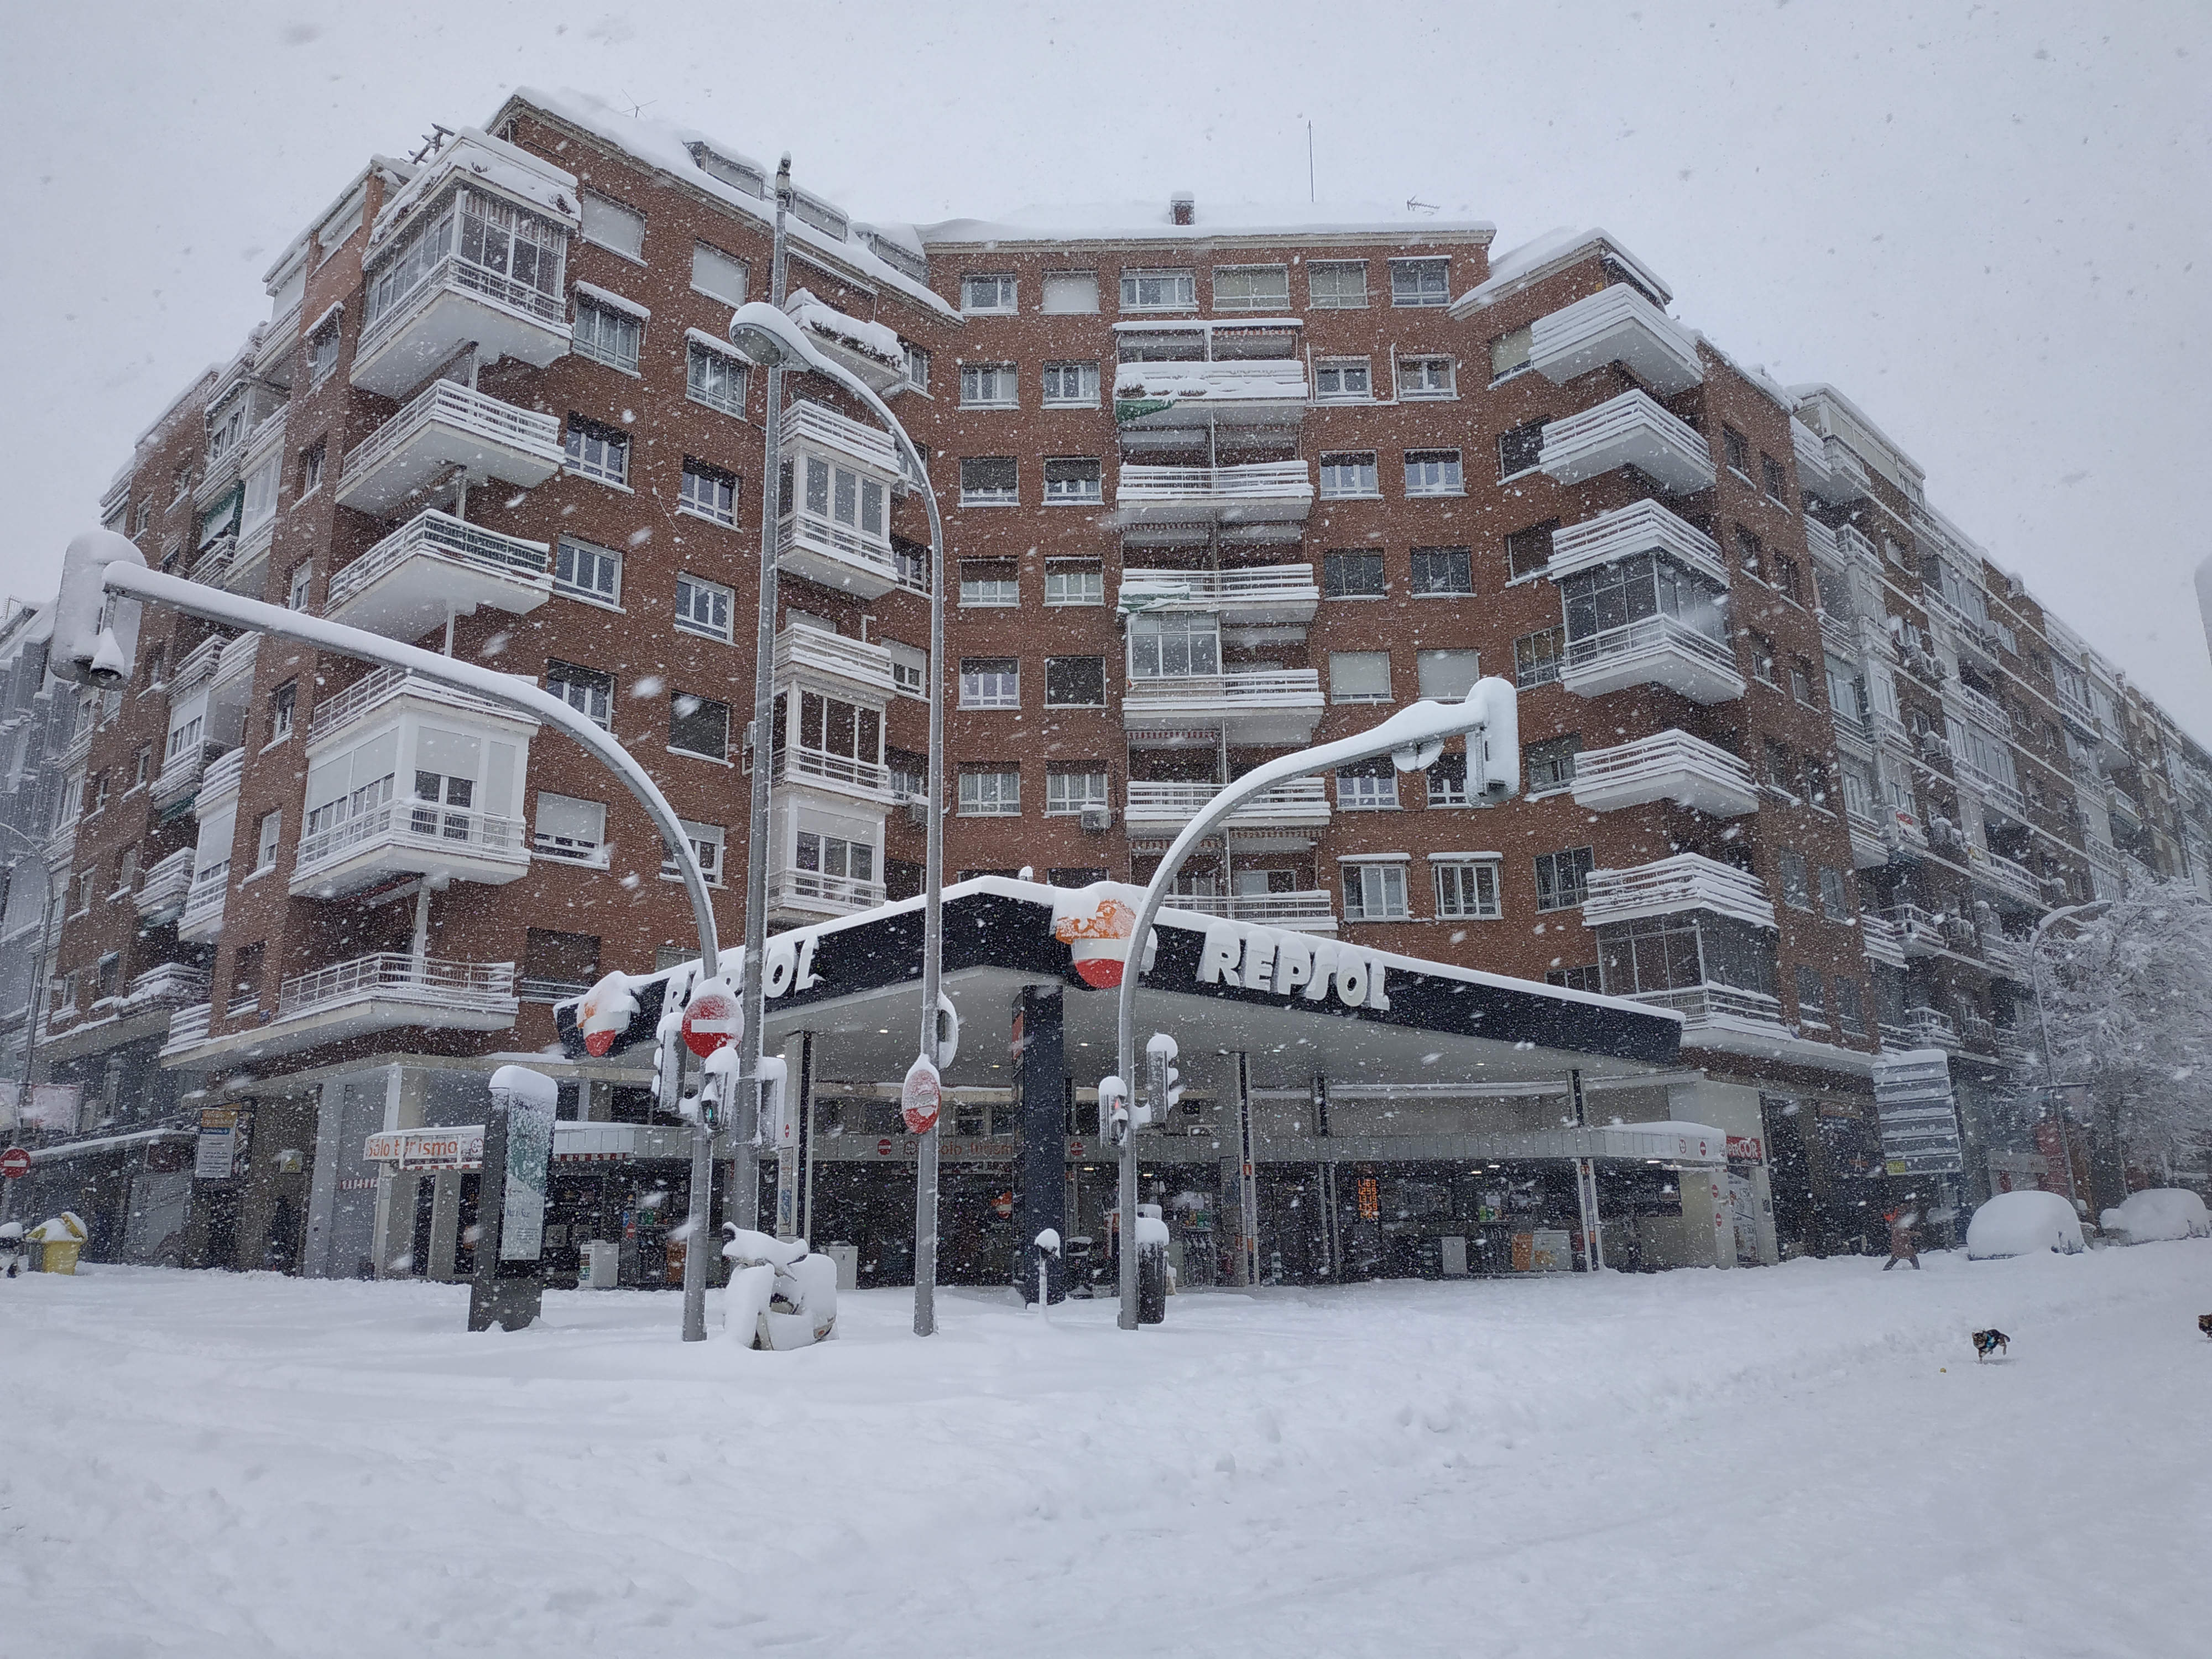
(1919, 1113)
(529, 1100)
(1745, 1149)
(458, 1148)
(1253, 958)
(224, 1143)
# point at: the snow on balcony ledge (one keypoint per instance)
(1672, 765)
(1616, 325)
(1640, 528)
(1630, 430)
(1687, 881)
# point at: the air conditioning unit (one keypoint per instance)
(917, 811)
(1097, 818)
(1935, 748)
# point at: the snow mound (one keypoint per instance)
(2023, 1223)
(2158, 1212)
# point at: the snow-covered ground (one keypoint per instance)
(1802, 1460)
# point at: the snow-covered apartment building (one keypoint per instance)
(1802, 762)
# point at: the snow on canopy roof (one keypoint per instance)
(1115, 222)
(667, 146)
(1548, 252)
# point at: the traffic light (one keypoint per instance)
(1163, 1081)
(96, 637)
(1113, 1110)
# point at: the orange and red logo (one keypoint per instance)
(1098, 943)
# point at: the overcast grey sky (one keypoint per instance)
(1988, 225)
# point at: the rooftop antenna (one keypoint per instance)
(433, 141)
(1415, 204)
(636, 109)
(1311, 195)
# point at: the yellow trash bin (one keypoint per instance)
(61, 1241)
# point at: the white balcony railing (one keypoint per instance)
(1827, 467)
(812, 892)
(1308, 911)
(1172, 393)
(808, 425)
(203, 913)
(2007, 876)
(1261, 491)
(188, 1028)
(481, 987)
(1926, 1028)
(434, 562)
(531, 312)
(1687, 881)
(802, 649)
(448, 425)
(163, 890)
(1720, 1007)
(1985, 710)
(372, 690)
(1261, 706)
(170, 984)
(796, 765)
(1640, 528)
(180, 773)
(1301, 803)
(1616, 325)
(1884, 939)
(222, 777)
(425, 828)
(835, 554)
(1630, 430)
(1272, 592)
(1658, 650)
(1672, 765)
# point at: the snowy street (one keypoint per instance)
(1805, 1460)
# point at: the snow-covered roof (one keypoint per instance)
(873, 338)
(1126, 221)
(1775, 392)
(1553, 250)
(1870, 441)
(667, 147)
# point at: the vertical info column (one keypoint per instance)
(1040, 1115)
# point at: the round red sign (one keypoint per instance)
(711, 1021)
(15, 1164)
(919, 1101)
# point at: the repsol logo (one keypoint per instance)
(1262, 959)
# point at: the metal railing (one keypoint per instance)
(1648, 764)
(818, 533)
(445, 402)
(1640, 528)
(1255, 481)
(448, 830)
(794, 765)
(166, 885)
(169, 982)
(1712, 1005)
(1648, 633)
(204, 903)
(1268, 584)
(224, 774)
(1629, 417)
(486, 987)
(800, 646)
(460, 276)
(1927, 1028)
(812, 891)
(432, 534)
(372, 690)
(1310, 907)
(1287, 687)
(1300, 800)
(187, 1027)
(1687, 881)
(1884, 939)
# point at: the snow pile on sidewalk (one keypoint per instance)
(1802, 1460)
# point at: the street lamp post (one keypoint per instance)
(764, 335)
(1413, 737)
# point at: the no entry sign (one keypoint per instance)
(15, 1164)
(920, 1097)
(712, 1020)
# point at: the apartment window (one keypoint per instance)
(1835, 896)
(145, 518)
(1071, 293)
(1360, 676)
(1342, 380)
(1801, 682)
(1588, 978)
(1563, 879)
(281, 705)
(917, 367)
(1796, 881)
(1448, 781)
(85, 883)
(311, 466)
(586, 690)
(987, 385)
(1174, 647)
(715, 274)
(1552, 763)
(613, 226)
(1370, 786)
(1375, 892)
(322, 353)
(703, 607)
(713, 378)
(1072, 789)
(1737, 452)
(1251, 288)
(707, 841)
(587, 572)
(1787, 578)
(301, 587)
(607, 334)
(906, 771)
(988, 293)
(1780, 773)
(988, 481)
(558, 964)
(1433, 472)
(708, 491)
(1159, 290)
(989, 582)
(570, 828)
(990, 682)
(1816, 780)
(1812, 997)
(598, 452)
(699, 725)
(1467, 890)
(1352, 574)
(1448, 676)
(1536, 657)
(1337, 284)
(1075, 682)
(1427, 377)
(1748, 552)
(1771, 475)
(834, 856)
(142, 767)
(157, 663)
(1071, 385)
(1349, 472)
(1762, 656)
(264, 841)
(1420, 281)
(1442, 570)
(1850, 1007)
(1073, 481)
(909, 669)
(1070, 582)
(1510, 351)
(991, 795)
(1520, 450)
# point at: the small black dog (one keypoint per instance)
(2204, 1323)
(1988, 1342)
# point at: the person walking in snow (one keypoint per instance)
(1902, 1246)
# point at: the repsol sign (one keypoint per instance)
(1251, 958)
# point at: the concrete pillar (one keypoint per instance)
(445, 1227)
(1248, 1189)
(323, 1191)
(1708, 1225)
(403, 1091)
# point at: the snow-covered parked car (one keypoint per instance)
(2158, 1212)
(2021, 1224)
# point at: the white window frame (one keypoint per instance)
(1172, 288)
(917, 367)
(1069, 790)
(998, 685)
(1364, 659)
(1367, 788)
(994, 794)
(1055, 378)
(708, 843)
(1437, 472)
(270, 833)
(1080, 489)
(302, 587)
(721, 362)
(1009, 496)
(592, 852)
(1336, 300)
(590, 455)
(708, 505)
(1417, 294)
(1428, 378)
(989, 294)
(992, 593)
(1436, 660)
(1468, 887)
(1074, 582)
(1065, 280)
(604, 223)
(1272, 302)
(1381, 879)
(608, 334)
(1331, 383)
(1360, 462)
(989, 386)
(606, 561)
(703, 608)
(708, 254)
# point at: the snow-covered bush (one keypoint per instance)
(2021, 1224)
(2158, 1212)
